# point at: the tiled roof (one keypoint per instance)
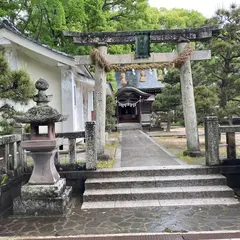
(9, 26)
(133, 79)
(132, 89)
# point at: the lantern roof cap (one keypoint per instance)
(42, 114)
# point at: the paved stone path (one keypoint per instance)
(140, 150)
(127, 220)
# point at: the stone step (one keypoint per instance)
(129, 126)
(171, 170)
(157, 193)
(158, 181)
(161, 203)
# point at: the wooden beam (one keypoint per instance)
(156, 36)
(154, 58)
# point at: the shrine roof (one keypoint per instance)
(133, 79)
(130, 89)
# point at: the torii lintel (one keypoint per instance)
(156, 36)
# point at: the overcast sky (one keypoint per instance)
(206, 7)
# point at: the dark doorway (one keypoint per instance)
(128, 114)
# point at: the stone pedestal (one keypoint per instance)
(44, 170)
(42, 200)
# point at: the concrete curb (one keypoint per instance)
(118, 154)
(77, 237)
(170, 134)
(165, 150)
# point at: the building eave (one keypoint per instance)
(151, 90)
(134, 90)
(13, 35)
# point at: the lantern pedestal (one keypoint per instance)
(43, 200)
(43, 153)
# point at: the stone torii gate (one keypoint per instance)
(179, 36)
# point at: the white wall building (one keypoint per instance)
(72, 87)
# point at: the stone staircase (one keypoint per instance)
(129, 126)
(159, 186)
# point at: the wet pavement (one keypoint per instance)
(138, 149)
(126, 220)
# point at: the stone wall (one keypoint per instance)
(9, 191)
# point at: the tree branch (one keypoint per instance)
(12, 87)
(113, 4)
(116, 17)
(218, 77)
(235, 56)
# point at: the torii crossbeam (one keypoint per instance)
(179, 36)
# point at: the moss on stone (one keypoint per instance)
(4, 179)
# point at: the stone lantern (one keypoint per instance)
(45, 193)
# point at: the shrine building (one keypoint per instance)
(136, 93)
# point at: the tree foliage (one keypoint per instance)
(180, 18)
(110, 112)
(16, 86)
(206, 100)
(222, 70)
(170, 98)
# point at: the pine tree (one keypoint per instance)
(16, 86)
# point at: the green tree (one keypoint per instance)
(170, 98)
(16, 86)
(110, 112)
(180, 18)
(223, 69)
(206, 100)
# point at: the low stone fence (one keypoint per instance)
(212, 136)
(13, 158)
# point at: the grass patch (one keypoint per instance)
(177, 145)
(192, 160)
(105, 164)
(114, 135)
(111, 145)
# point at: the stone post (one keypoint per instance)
(21, 156)
(91, 147)
(72, 151)
(231, 145)
(13, 152)
(188, 100)
(211, 140)
(6, 158)
(100, 101)
(18, 129)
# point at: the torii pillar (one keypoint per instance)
(100, 101)
(188, 101)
